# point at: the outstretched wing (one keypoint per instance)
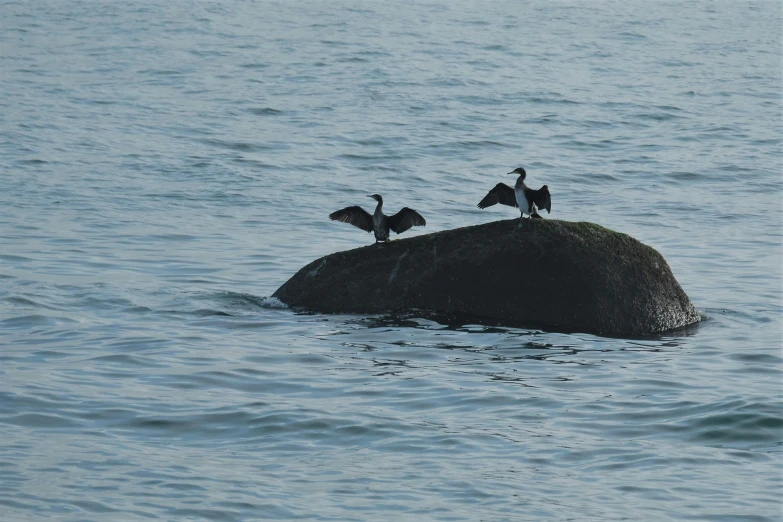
(502, 194)
(540, 197)
(355, 216)
(405, 219)
(544, 200)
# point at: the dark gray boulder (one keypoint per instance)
(538, 273)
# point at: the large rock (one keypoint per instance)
(536, 273)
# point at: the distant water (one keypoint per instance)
(165, 166)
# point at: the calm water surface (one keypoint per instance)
(165, 166)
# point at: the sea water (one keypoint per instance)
(165, 166)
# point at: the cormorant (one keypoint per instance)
(379, 223)
(521, 196)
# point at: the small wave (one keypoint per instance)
(334, 43)
(630, 35)
(373, 157)
(39, 420)
(255, 65)
(265, 111)
(657, 116)
(24, 302)
(4, 257)
(752, 423)
(547, 100)
(35, 320)
(244, 146)
(353, 59)
(162, 72)
(480, 23)
(33, 161)
(494, 48)
(237, 300)
(206, 312)
(467, 144)
(272, 302)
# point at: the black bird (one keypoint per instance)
(521, 196)
(379, 223)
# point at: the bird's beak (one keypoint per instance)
(512, 172)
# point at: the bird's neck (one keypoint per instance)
(520, 182)
(378, 207)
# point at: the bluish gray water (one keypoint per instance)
(165, 166)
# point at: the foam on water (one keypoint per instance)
(273, 302)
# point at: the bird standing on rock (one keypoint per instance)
(378, 222)
(521, 196)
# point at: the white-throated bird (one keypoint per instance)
(521, 196)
